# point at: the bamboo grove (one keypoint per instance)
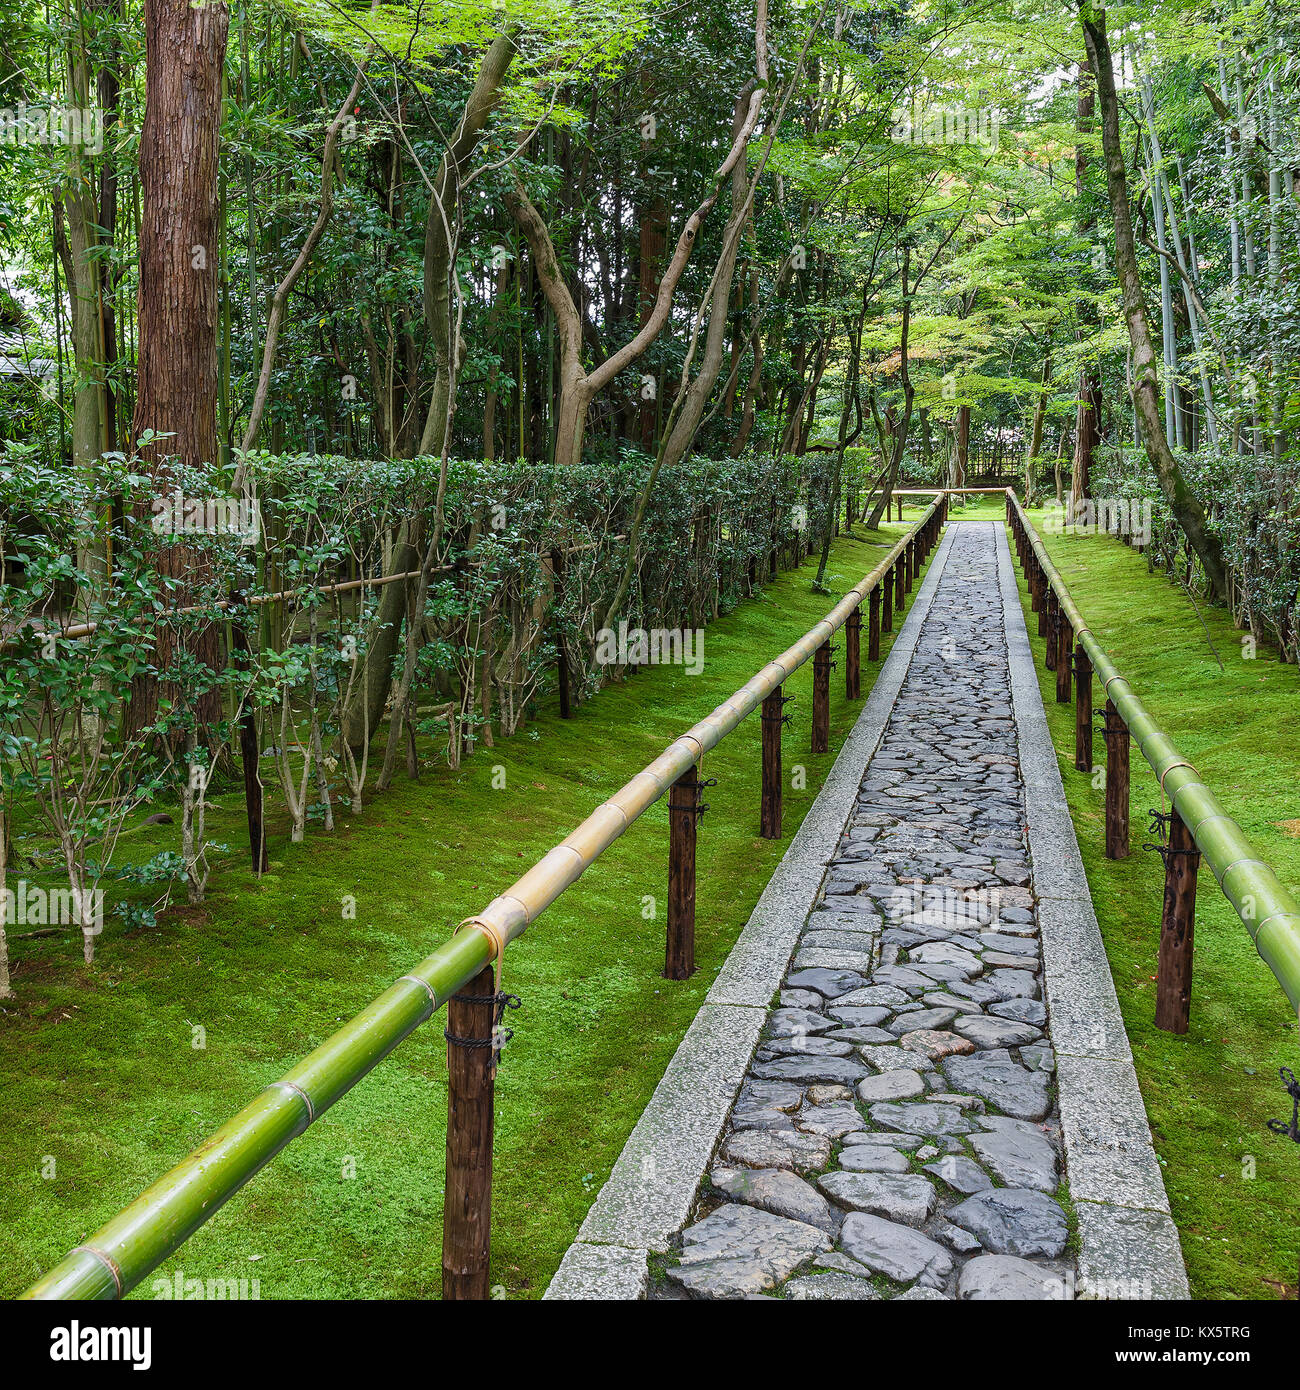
(362, 363)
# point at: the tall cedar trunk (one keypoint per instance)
(1183, 502)
(176, 381)
(1087, 417)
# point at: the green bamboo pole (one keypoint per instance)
(161, 1219)
(1267, 909)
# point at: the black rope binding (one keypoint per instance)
(1160, 824)
(1281, 1127)
(500, 1036)
(777, 718)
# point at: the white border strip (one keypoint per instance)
(1128, 1244)
(652, 1188)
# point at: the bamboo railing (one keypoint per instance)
(1201, 827)
(119, 1255)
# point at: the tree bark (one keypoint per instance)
(176, 378)
(1087, 415)
(1183, 503)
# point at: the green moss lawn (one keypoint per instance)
(101, 1086)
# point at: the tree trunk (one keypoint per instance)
(1184, 504)
(1087, 415)
(176, 379)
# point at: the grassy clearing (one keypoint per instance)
(98, 1071)
(1231, 1182)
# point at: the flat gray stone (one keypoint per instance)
(873, 1158)
(907, 1198)
(1005, 1277)
(790, 1023)
(834, 1121)
(828, 983)
(999, 1078)
(960, 1173)
(1014, 1221)
(821, 958)
(890, 1085)
(1022, 1010)
(780, 1192)
(804, 1045)
(739, 1250)
(777, 1148)
(925, 1117)
(916, 1019)
(995, 1032)
(1017, 1159)
(896, 1058)
(840, 1071)
(829, 1288)
(870, 995)
(881, 1138)
(898, 1252)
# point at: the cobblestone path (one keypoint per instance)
(896, 1134)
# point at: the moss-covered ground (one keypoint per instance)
(102, 1087)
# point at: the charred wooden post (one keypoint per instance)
(821, 711)
(683, 813)
(873, 625)
(853, 655)
(471, 1081)
(773, 720)
(900, 566)
(1177, 927)
(1064, 648)
(887, 603)
(1117, 738)
(1082, 710)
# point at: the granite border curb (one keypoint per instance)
(652, 1188)
(1128, 1244)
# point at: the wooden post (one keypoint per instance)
(1117, 737)
(683, 812)
(873, 625)
(1082, 710)
(471, 1078)
(769, 820)
(248, 755)
(1064, 646)
(886, 603)
(853, 655)
(1177, 925)
(821, 713)
(899, 583)
(913, 561)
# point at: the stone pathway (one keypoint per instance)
(897, 1134)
